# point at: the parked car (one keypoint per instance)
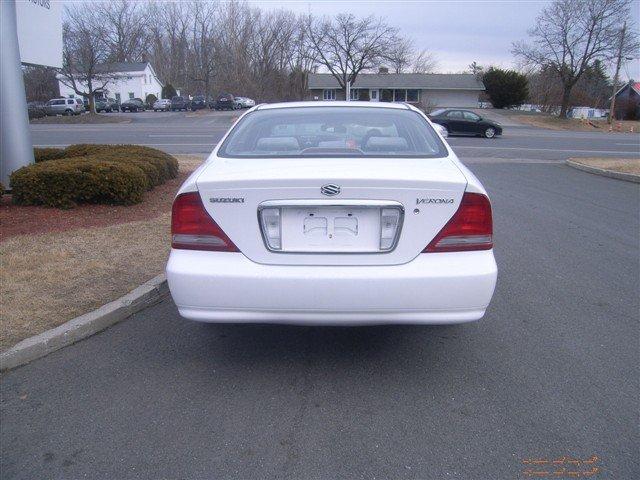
(132, 105)
(36, 110)
(199, 102)
(64, 106)
(105, 105)
(298, 228)
(180, 103)
(226, 101)
(465, 122)
(245, 102)
(162, 105)
(115, 104)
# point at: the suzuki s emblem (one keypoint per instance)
(330, 189)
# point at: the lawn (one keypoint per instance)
(85, 118)
(543, 120)
(58, 264)
(621, 165)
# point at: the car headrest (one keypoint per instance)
(331, 144)
(277, 144)
(386, 144)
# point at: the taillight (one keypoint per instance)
(470, 228)
(193, 229)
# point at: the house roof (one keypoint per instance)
(121, 67)
(426, 81)
(634, 85)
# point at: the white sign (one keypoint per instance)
(39, 25)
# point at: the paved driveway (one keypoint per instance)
(550, 371)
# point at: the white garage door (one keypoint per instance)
(451, 98)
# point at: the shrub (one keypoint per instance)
(168, 91)
(44, 154)
(506, 88)
(66, 182)
(150, 100)
(167, 164)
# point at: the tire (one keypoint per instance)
(490, 132)
(68, 112)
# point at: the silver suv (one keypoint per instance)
(64, 106)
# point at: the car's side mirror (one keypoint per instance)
(441, 130)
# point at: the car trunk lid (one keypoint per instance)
(386, 211)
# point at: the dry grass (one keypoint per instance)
(189, 162)
(49, 279)
(555, 123)
(84, 118)
(622, 165)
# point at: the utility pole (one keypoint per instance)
(617, 74)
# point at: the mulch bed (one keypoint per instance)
(21, 220)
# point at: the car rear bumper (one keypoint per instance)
(435, 288)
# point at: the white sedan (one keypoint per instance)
(339, 213)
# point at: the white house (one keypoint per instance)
(126, 80)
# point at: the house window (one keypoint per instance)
(149, 79)
(131, 95)
(328, 94)
(386, 95)
(129, 78)
(354, 94)
(413, 96)
(399, 95)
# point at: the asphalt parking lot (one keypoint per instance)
(551, 371)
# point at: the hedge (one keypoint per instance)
(167, 164)
(66, 182)
(44, 154)
(113, 174)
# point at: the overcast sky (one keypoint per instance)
(457, 32)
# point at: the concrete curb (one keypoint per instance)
(85, 325)
(629, 177)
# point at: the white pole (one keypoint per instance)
(15, 138)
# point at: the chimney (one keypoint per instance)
(383, 70)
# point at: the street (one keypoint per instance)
(177, 132)
(551, 370)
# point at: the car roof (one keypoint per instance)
(332, 103)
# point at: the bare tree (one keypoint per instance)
(302, 58)
(346, 45)
(424, 62)
(40, 83)
(476, 69)
(84, 53)
(125, 28)
(570, 35)
(203, 45)
(400, 54)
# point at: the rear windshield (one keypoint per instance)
(332, 131)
